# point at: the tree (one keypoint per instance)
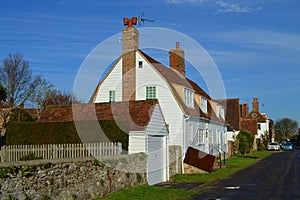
(285, 128)
(245, 141)
(60, 98)
(18, 80)
(41, 94)
(2, 94)
(265, 139)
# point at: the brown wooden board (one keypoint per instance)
(199, 159)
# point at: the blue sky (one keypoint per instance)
(255, 44)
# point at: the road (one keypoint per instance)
(275, 177)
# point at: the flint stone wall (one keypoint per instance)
(175, 160)
(81, 178)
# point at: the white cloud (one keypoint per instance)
(186, 1)
(174, 1)
(226, 7)
(220, 6)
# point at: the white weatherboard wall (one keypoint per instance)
(216, 140)
(112, 82)
(137, 142)
(147, 76)
(264, 127)
(153, 142)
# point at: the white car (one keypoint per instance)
(273, 146)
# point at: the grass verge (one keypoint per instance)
(146, 192)
(233, 165)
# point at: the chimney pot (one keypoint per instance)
(177, 45)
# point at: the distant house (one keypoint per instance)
(193, 118)
(239, 118)
(263, 123)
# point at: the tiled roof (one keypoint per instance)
(232, 115)
(136, 113)
(249, 125)
(256, 115)
(173, 77)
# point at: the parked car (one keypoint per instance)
(273, 146)
(287, 146)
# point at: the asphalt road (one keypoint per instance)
(275, 177)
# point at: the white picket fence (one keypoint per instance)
(12, 153)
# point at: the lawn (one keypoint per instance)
(146, 192)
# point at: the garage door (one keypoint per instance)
(156, 159)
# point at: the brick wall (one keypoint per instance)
(130, 42)
(176, 57)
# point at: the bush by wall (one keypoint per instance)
(245, 141)
(23, 133)
(20, 115)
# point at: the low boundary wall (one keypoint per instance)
(79, 178)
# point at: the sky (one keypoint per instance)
(255, 44)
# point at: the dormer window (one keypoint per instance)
(188, 98)
(222, 112)
(203, 104)
(217, 110)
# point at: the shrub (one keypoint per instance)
(23, 133)
(20, 115)
(245, 141)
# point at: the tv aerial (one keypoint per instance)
(141, 19)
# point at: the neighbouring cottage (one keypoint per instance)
(239, 118)
(258, 123)
(195, 120)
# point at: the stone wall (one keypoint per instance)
(84, 178)
(175, 160)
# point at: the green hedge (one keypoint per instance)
(64, 132)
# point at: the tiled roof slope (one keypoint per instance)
(257, 116)
(232, 115)
(136, 113)
(173, 77)
(249, 125)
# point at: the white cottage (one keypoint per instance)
(193, 118)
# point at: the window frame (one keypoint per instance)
(203, 106)
(151, 92)
(217, 110)
(140, 63)
(188, 97)
(112, 96)
(200, 136)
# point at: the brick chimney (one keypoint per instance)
(130, 43)
(244, 110)
(255, 105)
(176, 57)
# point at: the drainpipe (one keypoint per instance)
(185, 119)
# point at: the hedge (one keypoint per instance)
(23, 133)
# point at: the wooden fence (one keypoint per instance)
(14, 153)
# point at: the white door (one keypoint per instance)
(156, 159)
